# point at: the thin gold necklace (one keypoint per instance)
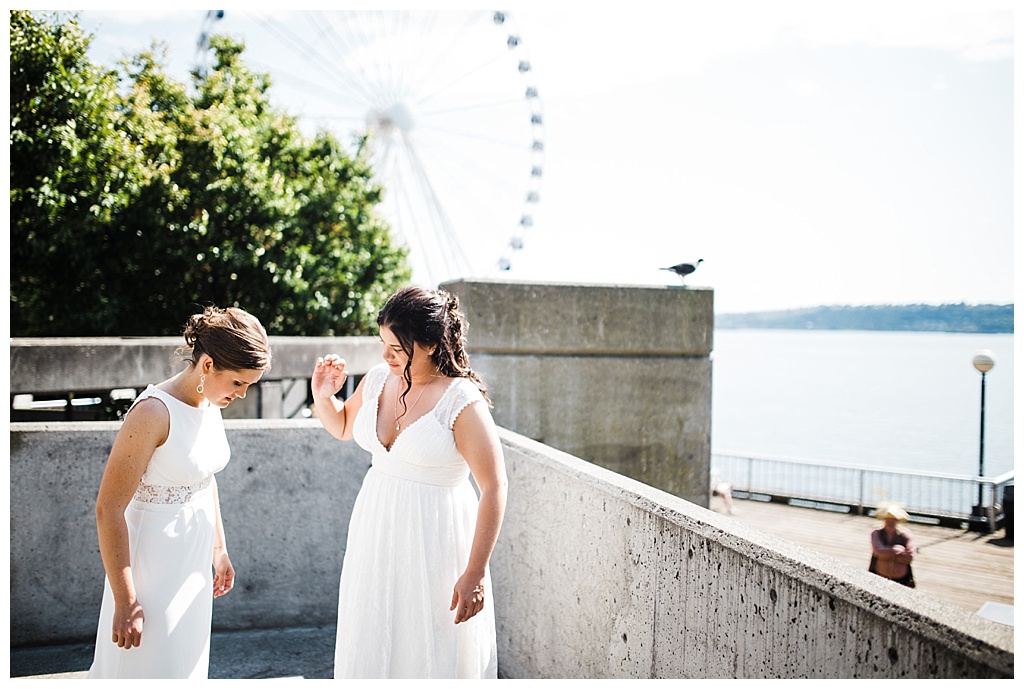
(398, 419)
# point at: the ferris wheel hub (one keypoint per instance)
(385, 121)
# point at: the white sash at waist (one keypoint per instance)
(448, 476)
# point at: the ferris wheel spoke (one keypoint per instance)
(469, 107)
(477, 137)
(431, 54)
(420, 214)
(334, 83)
(436, 209)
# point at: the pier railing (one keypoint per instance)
(932, 497)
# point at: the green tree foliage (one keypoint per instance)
(138, 201)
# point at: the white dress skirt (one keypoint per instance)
(171, 528)
(409, 541)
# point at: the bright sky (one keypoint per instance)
(857, 154)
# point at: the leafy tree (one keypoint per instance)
(72, 170)
(218, 198)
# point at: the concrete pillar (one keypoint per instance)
(617, 375)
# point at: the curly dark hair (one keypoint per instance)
(433, 319)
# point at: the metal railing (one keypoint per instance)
(859, 488)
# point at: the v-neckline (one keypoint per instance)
(376, 415)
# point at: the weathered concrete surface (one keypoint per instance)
(600, 576)
(56, 364)
(507, 317)
(595, 575)
(59, 365)
(617, 375)
(286, 498)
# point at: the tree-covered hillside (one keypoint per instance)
(951, 318)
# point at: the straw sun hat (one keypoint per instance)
(894, 511)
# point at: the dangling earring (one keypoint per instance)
(202, 384)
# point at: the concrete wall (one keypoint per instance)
(55, 364)
(600, 576)
(617, 375)
(595, 575)
(286, 497)
(58, 365)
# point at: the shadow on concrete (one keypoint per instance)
(256, 654)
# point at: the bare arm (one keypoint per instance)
(337, 417)
(907, 556)
(224, 572)
(896, 551)
(144, 429)
(879, 548)
(477, 440)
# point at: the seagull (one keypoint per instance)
(684, 269)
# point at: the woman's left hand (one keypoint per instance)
(223, 574)
(468, 597)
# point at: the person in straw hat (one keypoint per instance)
(892, 547)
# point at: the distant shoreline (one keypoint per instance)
(949, 318)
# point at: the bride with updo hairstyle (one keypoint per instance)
(158, 518)
(233, 338)
(415, 599)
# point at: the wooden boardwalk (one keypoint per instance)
(960, 567)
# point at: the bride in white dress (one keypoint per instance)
(157, 513)
(415, 596)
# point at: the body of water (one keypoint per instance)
(899, 400)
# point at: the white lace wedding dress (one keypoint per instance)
(408, 543)
(171, 527)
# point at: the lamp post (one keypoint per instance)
(983, 361)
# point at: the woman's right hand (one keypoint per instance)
(328, 376)
(127, 626)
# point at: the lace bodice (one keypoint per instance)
(424, 450)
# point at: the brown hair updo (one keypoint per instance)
(233, 338)
(433, 319)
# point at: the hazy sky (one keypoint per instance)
(858, 154)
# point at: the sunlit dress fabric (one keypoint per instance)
(408, 543)
(171, 527)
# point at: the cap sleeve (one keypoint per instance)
(374, 383)
(461, 394)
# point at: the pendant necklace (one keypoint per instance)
(398, 419)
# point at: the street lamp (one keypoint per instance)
(983, 361)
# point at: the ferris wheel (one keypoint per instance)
(447, 103)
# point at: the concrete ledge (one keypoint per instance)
(103, 363)
(595, 575)
(600, 576)
(553, 318)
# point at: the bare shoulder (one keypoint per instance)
(148, 419)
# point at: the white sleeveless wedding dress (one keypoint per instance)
(171, 528)
(408, 543)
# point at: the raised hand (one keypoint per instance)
(329, 375)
